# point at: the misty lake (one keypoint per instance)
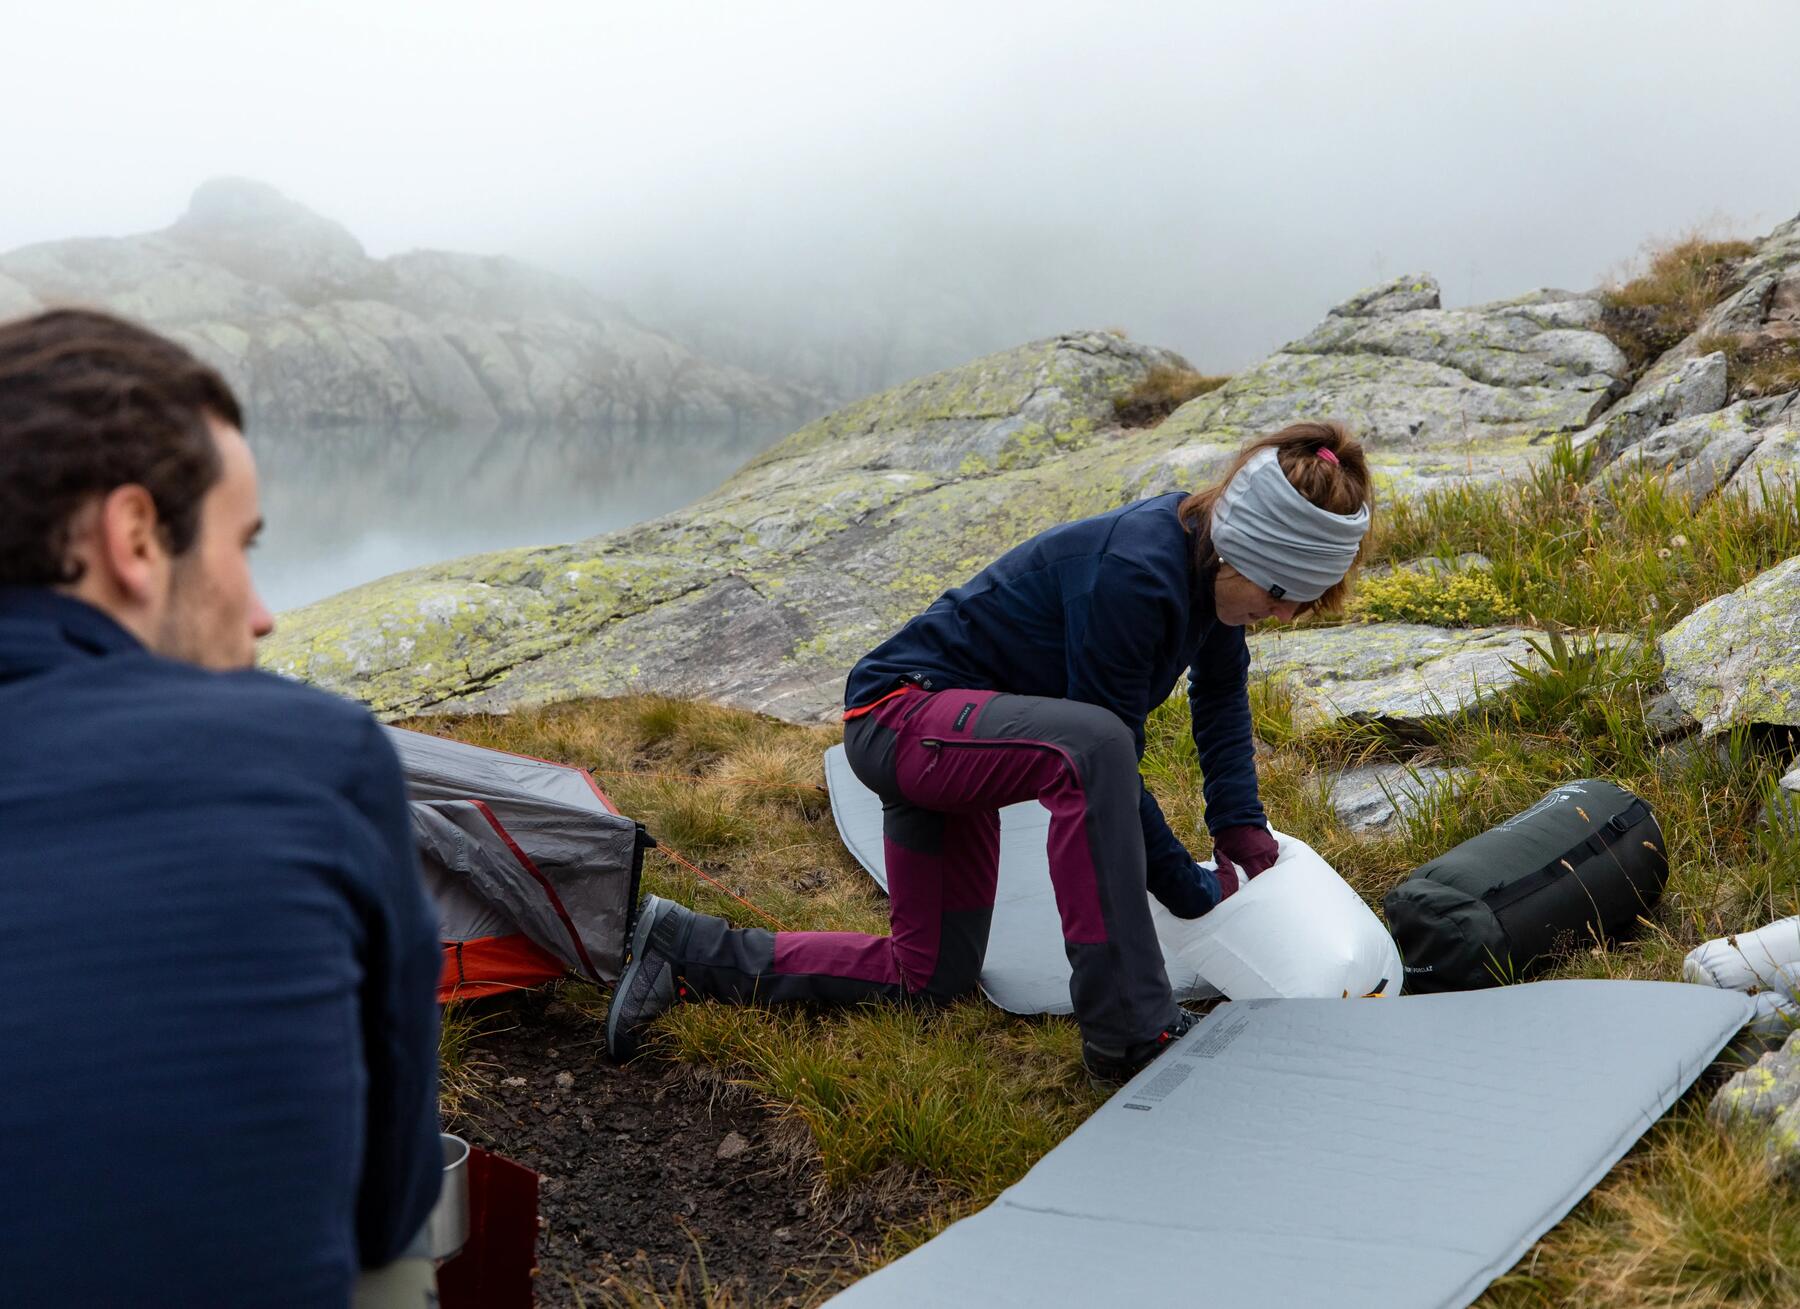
(342, 507)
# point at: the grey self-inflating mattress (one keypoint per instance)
(1393, 1154)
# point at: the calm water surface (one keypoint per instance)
(345, 507)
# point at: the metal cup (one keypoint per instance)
(447, 1229)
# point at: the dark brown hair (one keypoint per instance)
(88, 403)
(1340, 488)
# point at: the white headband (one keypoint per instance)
(1278, 538)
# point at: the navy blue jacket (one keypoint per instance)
(218, 1029)
(1108, 611)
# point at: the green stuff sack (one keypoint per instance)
(1584, 863)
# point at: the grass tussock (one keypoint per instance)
(639, 1287)
(1163, 390)
(1568, 550)
(946, 1107)
(1689, 1221)
(1658, 308)
(463, 1075)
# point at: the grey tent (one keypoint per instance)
(533, 871)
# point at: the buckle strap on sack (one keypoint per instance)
(1597, 844)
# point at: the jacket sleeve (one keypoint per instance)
(1219, 702)
(403, 1160)
(1110, 663)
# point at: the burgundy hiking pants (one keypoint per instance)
(944, 763)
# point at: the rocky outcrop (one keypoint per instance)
(762, 594)
(313, 332)
(1749, 447)
(1736, 659)
(1677, 421)
(1438, 394)
(1400, 675)
(1761, 317)
(1697, 387)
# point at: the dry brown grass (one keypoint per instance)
(1756, 368)
(1163, 390)
(1688, 1221)
(1659, 307)
(463, 1076)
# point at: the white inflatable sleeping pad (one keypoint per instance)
(1767, 959)
(1399, 1154)
(1296, 930)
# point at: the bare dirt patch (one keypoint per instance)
(646, 1166)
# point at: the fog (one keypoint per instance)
(851, 192)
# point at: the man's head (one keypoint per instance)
(1281, 532)
(125, 481)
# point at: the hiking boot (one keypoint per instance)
(1109, 1069)
(648, 986)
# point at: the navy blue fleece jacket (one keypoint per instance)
(1106, 610)
(218, 971)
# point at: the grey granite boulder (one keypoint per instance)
(1697, 387)
(1765, 1097)
(1698, 455)
(1438, 394)
(1401, 675)
(1372, 798)
(1773, 465)
(1736, 659)
(1762, 1091)
(312, 332)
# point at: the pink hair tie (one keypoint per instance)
(1328, 456)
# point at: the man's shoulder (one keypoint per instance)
(237, 716)
(258, 698)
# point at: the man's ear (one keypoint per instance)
(130, 545)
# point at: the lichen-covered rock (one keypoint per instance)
(1402, 675)
(1736, 659)
(1372, 798)
(1437, 394)
(1005, 411)
(1773, 466)
(1782, 1148)
(1405, 292)
(1700, 454)
(313, 332)
(1760, 1092)
(763, 593)
(1697, 387)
